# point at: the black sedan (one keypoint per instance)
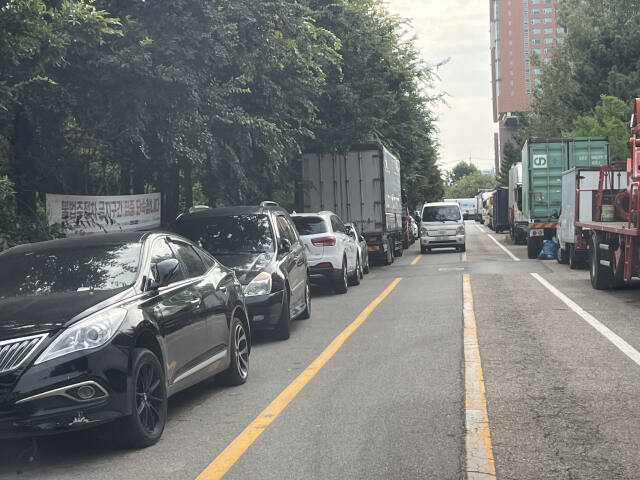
(106, 327)
(262, 245)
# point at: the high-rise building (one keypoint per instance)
(521, 30)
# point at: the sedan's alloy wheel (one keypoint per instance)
(241, 350)
(149, 401)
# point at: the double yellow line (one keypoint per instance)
(242, 442)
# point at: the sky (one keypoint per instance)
(457, 30)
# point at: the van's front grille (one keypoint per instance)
(14, 352)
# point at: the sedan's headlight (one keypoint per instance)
(460, 230)
(89, 333)
(260, 285)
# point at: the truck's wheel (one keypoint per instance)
(601, 275)
(534, 245)
(389, 259)
(574, 263)
(561, 257)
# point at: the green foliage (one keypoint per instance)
(610, 118)
(601, 56)
(15, 229)
(469, 185)
(510, 155)
(461, 170)
(204, 101)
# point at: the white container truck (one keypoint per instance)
(518, 222)
(467, 206)
(362, 187)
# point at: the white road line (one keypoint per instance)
(622, 345)
(513, 257)
(479, 227)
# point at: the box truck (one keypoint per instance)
(361, 186)
(518, 224)
(500, 210)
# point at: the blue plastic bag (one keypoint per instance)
(549, 250)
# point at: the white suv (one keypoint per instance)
(332, 254)
(442, 226)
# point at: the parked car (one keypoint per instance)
(442, 226)
(106, 327)
(414, 229)
(261, 244)
(332, 254)
(363, 251)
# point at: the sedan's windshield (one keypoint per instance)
(441, 213)
(231, 234)
(62, 270)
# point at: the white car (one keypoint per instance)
(442, 226)
(414, 229)
(332, 254)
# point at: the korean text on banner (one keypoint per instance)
(83, 214)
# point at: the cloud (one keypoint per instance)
(458, 30)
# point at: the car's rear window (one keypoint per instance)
(231, 234)
(310, 225)
(441, 213)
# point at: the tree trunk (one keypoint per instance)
(187, 184)
(22, 163)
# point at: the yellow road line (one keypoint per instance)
(480, 463)
(242, 442)
(416, 260)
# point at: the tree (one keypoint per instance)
(461, 170)
(469, 185)
(610, 118)
(510, 156)
(601, 55)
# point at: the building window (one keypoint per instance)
(548, 59)
(535, 2)
(560, 30)
(535, 31)
(546, 1)
(560, 39)
(535, 21)
(547, 10)
(537, 51)
(537, 81)
(510, 32)
(548, 41)
(511, 72)
(535, 41)
(535, 11)
(548, 20)
(547, 51)
(548, 30)
(537, 71)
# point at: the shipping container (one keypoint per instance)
(587, 152)
(543, 160)
(361, 187)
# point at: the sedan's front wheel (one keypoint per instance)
(149, 399)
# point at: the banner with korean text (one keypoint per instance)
(83, 214)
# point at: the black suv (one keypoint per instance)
(262, 245)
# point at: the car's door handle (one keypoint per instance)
(196, 302)
(223, 288)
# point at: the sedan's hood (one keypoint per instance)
(32, 314)
(246, 265)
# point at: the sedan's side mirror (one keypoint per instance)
(286, 245)
(164, 271)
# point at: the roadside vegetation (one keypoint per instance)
(465, 180)
(207, 102)
(588, 86)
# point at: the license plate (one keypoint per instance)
(373, 248)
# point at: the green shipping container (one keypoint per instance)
(543, 160)
(585, 152)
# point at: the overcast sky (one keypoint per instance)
(458, 30)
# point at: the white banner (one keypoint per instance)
(82, 214)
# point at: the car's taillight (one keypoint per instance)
(324, 241)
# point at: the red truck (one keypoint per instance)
(613, 237)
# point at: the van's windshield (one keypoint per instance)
(441, 213)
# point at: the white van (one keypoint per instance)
(442, 226)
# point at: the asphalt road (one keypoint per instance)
(390, 403)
